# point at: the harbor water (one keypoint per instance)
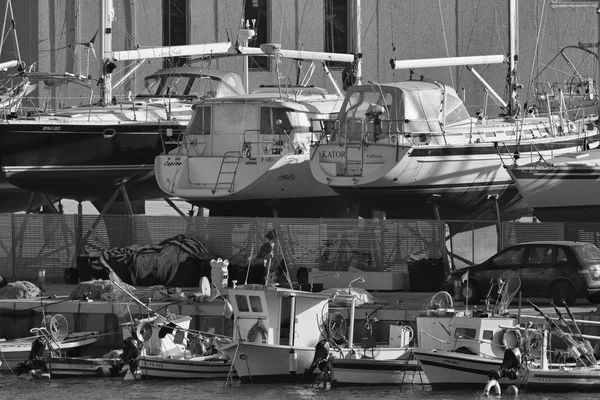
(25, 388)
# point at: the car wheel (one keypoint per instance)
(594, 298)
(564, 290)
(468, 290)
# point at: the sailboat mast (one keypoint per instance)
(513, 23)
(106, 27)
(357, 39)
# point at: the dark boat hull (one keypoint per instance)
(84, 161)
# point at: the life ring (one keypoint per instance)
(258, 328)
(511, 338)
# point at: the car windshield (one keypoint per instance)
(588, 252)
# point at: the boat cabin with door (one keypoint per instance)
(278, 316)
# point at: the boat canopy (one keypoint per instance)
(415, 106)
(193, 82)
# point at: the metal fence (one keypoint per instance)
(31, 242)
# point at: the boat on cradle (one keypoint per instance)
(109, 143)
(15, 87)
(410, 148)
(52, 337)
(576, 95)
(248, 155)
(565, 188)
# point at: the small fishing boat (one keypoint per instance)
(169, 348)
(583, 375)
(369, 372)
(16, 351)
(471, 345)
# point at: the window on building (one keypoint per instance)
(337, 16)
(175, 28)
(259, 11)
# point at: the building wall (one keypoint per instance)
(403, 29)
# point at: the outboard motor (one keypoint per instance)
(131, 351)
(34, 361)
(510, 365)
(320, 358)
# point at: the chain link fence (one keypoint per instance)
(54, 242)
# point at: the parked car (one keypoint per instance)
(547, 269)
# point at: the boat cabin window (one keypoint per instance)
(248, 303)
(487, 335)
(255, 304)
(200, 124)
(455, 109)
(241, 302)
(274, 120)
(465, 333)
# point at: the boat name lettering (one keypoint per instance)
(150, 364)
(333, 154)
(539, 379)
(374, 156)
(251, 161)
(51, 128)
(452, 362)
(287, 177)
(255, 287)
(173, 163)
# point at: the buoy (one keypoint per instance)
(293, 361)
(512, 390)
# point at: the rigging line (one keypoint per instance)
(473, 28)
(445, 41)
(241, 21)
(364, 32)
(392, 5)
(536, 51)
(302, 16)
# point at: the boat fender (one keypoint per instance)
(258, 328)
(511, 338)
(492, 383)
(293, 361)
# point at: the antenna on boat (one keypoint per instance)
(246, 33)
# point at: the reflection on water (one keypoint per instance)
(23, 388)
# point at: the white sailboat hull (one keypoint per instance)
(559, 192)
(260, 177)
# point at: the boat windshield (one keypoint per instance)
(189, 85)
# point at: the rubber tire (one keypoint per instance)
(564, 290)
(469, 286)
(594, 298)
